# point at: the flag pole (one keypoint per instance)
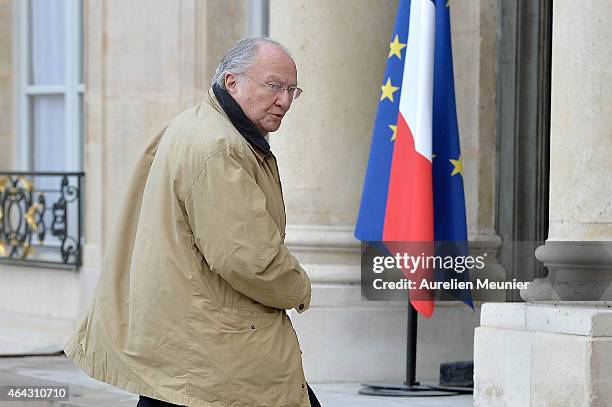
(411, 346)
(410, 388)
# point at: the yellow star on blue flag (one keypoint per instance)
(457, 166)
(388, 90)
(395, 47)
(393, 128)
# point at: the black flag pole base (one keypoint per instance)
(404, 390)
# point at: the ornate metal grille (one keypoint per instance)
(40, 218)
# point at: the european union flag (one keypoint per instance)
(427, 167)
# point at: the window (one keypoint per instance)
(50, 85)
(44, 214)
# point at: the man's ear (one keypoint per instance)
(231, 82)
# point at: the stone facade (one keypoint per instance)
(543, 355)
(555, 349)
(147, 60)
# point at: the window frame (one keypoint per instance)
(72, 89)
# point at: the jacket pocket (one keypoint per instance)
(236, 321)
(255, 360)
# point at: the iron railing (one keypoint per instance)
(40, 218)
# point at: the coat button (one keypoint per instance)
(303, 385)
(301, 307)
(267, 157)
(252, 326)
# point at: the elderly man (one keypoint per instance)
(190, 305)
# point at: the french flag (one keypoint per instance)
(413, 188)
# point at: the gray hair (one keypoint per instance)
(240, 57)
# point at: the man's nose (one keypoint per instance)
(284, 99)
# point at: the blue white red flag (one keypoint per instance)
(413, 188)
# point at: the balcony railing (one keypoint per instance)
(40, 218)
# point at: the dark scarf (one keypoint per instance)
(240, 121)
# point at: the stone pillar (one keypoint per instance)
(340, 49)
(578, 252)
(556, 349)
(474, 36)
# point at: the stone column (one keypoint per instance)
(474, 36)
(578, 252)
(340, 49)
(555, 349)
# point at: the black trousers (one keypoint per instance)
(145, 401)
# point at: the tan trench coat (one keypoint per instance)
(190, 304)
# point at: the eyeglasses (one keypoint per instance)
(294, 91)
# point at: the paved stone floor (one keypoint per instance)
(84, 391)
